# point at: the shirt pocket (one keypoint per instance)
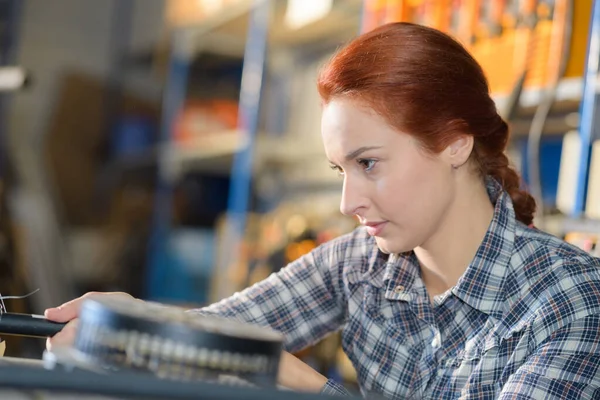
(391, 319)
(479, 364)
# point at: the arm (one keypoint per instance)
(566, 365)
(305, 300)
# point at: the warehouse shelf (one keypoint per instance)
(569, 92)
(581, 225)
(226, 32)
(211, 152)
(192, 155)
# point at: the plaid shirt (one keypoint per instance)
(523, 321)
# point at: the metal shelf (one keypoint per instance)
(570, 90)
(210, 153)
(283, 150)
(563, 117)
(226, 32)
(581, 225)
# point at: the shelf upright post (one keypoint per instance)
(173, 99)
(588, 109)
(253, 71)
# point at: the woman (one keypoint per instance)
(445, 291)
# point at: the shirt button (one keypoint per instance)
(399, 289)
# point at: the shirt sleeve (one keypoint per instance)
(565, 366)
(305, 300)
(334, 389)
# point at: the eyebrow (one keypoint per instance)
(353, 154)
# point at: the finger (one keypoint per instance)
(63, 338)
(68, 310)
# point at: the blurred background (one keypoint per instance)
(171, 148)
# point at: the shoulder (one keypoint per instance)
(540, 260)
(550, 284)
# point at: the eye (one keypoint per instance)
(337, 169)
(367, 163)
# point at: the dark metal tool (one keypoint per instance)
(26, 324)
(126, 334)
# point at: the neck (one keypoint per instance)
(448, 253)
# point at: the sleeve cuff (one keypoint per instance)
(334, 389)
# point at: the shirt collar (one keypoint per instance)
(402, 276)
(482, 284)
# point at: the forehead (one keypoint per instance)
(348, 115)
(347, 125)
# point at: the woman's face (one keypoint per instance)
(394, 187)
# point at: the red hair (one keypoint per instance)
(426, 84)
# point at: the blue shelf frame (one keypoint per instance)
(241, 172)
(173, 99)
(240, 191)
(588, 131)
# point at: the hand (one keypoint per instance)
(69, 312)
(297, 375)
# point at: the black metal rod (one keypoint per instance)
(28, 325)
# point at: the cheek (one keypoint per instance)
(413, 194)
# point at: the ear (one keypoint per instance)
(459, 151)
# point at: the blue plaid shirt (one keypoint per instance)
(523, 322)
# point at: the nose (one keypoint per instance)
(353, 200)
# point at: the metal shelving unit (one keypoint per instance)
(575, 97)
(174, 159)
(562, 117)
(254, 29)
(588, 130)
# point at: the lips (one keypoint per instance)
(375, 228)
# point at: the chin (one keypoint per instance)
(388, 246)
